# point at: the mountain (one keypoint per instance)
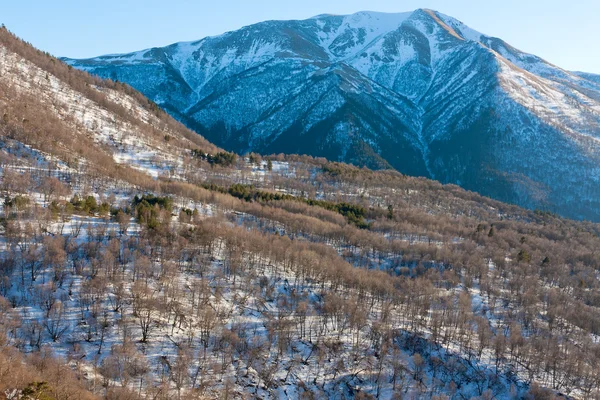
(140, 261)
(420, 92)
(588, 76)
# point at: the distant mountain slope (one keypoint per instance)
(590, 77)
(419, 91)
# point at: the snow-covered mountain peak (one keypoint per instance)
(419, 91)
(455, 27)
(344, 37)
(376, 21)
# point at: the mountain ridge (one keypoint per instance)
(418, 91)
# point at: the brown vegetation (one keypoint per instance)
(431, 267)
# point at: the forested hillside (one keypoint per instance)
(151, 264)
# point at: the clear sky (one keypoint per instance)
(566, 33)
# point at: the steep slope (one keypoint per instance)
(419, 91)
(88, 124)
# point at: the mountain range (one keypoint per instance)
(141, 261)
(419, 92)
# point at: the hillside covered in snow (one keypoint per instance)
(419, 92)
(140, 261)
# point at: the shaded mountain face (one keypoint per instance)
(420, 92)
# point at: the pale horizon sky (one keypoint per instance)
(564, 33)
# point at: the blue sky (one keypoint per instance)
(566, 33)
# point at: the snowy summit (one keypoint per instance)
(419, 92)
